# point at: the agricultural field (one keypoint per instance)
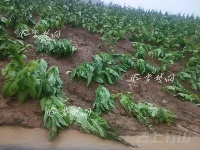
(104, 70)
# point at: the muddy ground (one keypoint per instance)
(29, 114)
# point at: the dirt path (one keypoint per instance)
(17, 138)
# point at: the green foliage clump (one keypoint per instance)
(6, 46)
(146, 112)
(58, 115)
(2, 25)
(64, 47)
(3, 20)
(41, 25)
(178, 90)
(145, 68)
(4, 49)
(45, 44)
(103, 100)
(140, 50)
(30, 79)
(54, 114)
(48, 45)
(191, 73)
(107, 68)
(19, 13)
(2, 30)
(100, 70)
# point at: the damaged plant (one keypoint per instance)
(145, 112)
(58, 115)
(30, 79)
(103, 100)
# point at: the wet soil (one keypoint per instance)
(18, 138)
(29, 114)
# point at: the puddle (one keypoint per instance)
(18, 138)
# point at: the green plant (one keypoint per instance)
(30, 79)
(178, 90)
(50, 81)
(20, 77)
(112, 33)
(41, 25)
(191, 73)
(145, 68)
(105, 57)
(123, 60)
(51, 46)
(157, 53)
(146, 112)
(45, 43)
(54, 110)
(90, 27)
(7, 45)
(13, 17)
(57, 115)
(2, 25)
(64, 47)
(140, 50)
(100, 70)
(127, 61)
(55, 21)
(97, 71)
(22, 83)
(19, 13)
(106, 68)
(2, 30)
(103, 100)
(4, 52)
(3, 20)
(85, 70)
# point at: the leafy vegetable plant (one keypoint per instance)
(3, 20)
(30, 79)
(178, 90)
(107, 68)
(58, 115)
(103, 100)
(64, 47)
(146, 112)
(145, 68)
(45, 44)
(6, 46)
(140, 50)
(41, 25)
(191, 73)
(99, 70)
(51, 46)
(4, 52)
(2, 25)
(54, 109)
